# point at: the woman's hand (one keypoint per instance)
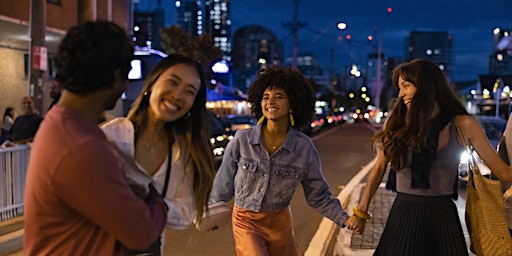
(355, 225)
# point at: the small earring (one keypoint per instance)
(147, 93)
(292, 122)
(187, 115)
(260, 121)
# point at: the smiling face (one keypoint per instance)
(407, 91)
(174, 92)
(275, 104)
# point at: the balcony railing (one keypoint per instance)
(13, 169)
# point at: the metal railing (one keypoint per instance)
(13, 169)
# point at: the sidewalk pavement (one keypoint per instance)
(348, 244)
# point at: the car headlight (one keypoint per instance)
(464, 157)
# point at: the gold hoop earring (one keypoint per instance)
(260, 121)
(292, 122)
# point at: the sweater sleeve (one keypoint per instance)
(91, 181)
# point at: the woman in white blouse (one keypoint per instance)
(166, 131)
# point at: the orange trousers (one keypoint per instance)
(265, 233)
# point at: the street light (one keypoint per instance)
(342, 25)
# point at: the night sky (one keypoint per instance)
(470, 23)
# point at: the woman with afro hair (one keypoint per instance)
(263, 165)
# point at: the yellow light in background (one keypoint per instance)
(486, 94)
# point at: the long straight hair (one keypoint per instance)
(195, 129)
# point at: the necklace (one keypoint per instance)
(279, 143)
(151, 144)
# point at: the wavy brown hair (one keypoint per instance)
(195, 129)
(407, 130)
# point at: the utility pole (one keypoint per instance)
(379, 85)
(295, 25)
(38, 57)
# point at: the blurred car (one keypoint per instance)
(239, 122)
(314, 126)
(493, 128)
(220, 134)
(338, 117)
(333, 118)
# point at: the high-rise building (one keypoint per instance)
(145, 28)
(189, 16)
(254, 47)
(432, 45)
(308, 65)
(212, 17)
(500, 61)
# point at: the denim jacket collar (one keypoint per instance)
(256, 139)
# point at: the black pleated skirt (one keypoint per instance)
(422, 225)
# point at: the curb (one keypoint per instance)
(11, 235)
(320, 241)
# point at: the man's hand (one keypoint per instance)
(356, 225)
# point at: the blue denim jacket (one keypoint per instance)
(262, 182)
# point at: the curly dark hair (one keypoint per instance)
(296, 86)
(408, 129)
(90, 54)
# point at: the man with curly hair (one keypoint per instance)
(77, 199)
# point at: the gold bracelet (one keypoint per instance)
(359, 218)
(361, 214)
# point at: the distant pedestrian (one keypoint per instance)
(3, 135)
(263, 165)
(8, 119)
(420, 141)
(77, 198)
(26, 125)
(55, 92)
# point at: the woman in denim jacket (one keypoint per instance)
(263, 165)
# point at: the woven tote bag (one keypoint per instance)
(485, 209)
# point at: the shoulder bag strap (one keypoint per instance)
(168, 171)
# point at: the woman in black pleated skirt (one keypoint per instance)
(419, 142)
(422, 225)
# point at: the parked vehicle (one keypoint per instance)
(493, 128)
(239, 122)
(220, 135)
(314, 126)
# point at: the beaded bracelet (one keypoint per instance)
(361, 214)
(359, 218)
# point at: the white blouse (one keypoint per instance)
(180, 193)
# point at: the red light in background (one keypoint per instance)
(370, 38)
(348, 37)
(390, 9)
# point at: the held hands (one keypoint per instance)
(355, 225)
(357, 221)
